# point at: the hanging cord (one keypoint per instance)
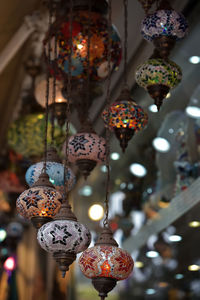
(54, 94)
(66, 164)
(47, 95)
(105, 222)
(88, 59)
(125, 40)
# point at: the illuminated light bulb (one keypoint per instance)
(193, 268)
(194, 224)
(175, 238)
(153, 108)
(86, 191)
(179, 276)
(9, 264)
(150, 291)
(115, 156)
(96, 212)
(3, 235)
(193, 111)
(138, 170)
(79, 46)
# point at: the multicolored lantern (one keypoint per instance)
(64, 237)
(105, 263)
(86, 150)
(158, 76)
(164, 27)
(55, 170)
(39, 203)
(125, 117)
(26, 135)
(98, 26)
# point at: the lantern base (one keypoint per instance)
(164, 45)
(86, 166)
(158, 92)
(58, 109)
(124, 135)
(39, 221)
(104, 285)
(64, 260)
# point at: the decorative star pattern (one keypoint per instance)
(32, 198)
(60, 235)
(79, 142)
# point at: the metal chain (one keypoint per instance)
(105, 222)
(125, 39)
(47, 95)
(69, 87)
(54, 95)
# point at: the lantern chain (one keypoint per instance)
(125, 40)
(69, 88)
(54, 94)
(105, 223)
(47, 94)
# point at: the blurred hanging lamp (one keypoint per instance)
(105, 263)
(98, 46)
(158, 76)
(41, 202)
(124, 116)
(164, 27)
(65, 236)
(147, 4)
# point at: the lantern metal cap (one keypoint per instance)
(104, 285)
(86, 166)
(65, 213)
(125, 94)
(52, 155)
(158, 92)
(43, 181)
(39, 221)
(64, 260)
(106, 238)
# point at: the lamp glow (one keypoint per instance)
(96, 212)
(161, 144)
(150, 291)
(152, 254)
(194, 268)
(153, 108)
(3, 235)
(175, 238)
(194, 59)
(9, 264)
(194, 224)
(115, 156)
(179, 276)
(86, 191)
(193, 111)
(138, 170)
(139, 264)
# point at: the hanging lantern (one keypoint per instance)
(39, 203)
(98, 27)
(158, 76)
(164, 27)
(64, 237)
(55, 170)
(105, 263)
(26, 135)
(86, 150)
(57, 107)
(125, 117)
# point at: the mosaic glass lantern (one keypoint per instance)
(86, 150)
(105, 263)
(125, 117)
(39, 203)
(55, 170)
(26, 135)
(64, 237)
(82, 20)
(164, 27)
(158, 76)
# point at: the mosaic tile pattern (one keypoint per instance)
(106, 261)
(54, 170)
(87, 146)
(98, 46)
(164, 22)
(158, 71)
(64, 235)
(125, 114)
(38, 201)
